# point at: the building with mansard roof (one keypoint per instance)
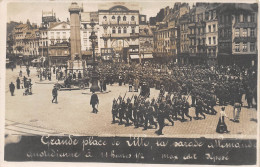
(119, 28)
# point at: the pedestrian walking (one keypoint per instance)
(55, 94)
(28, 72)
(94, 101)
(12, 88)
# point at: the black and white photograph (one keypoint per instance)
(131, 82)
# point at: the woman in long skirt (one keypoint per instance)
(222, 127)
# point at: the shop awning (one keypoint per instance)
(134, 56)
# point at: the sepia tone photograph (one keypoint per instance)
(127, 76)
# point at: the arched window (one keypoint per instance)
(113, 17)
(125, 30)
(105, 18)
(118, 18)
(132, 18)
(113, 30)
(124, 18)
(119, 30)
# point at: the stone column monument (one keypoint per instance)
(74, 10)
(75, 64)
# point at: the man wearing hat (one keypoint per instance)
(93, 101)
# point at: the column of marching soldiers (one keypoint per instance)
(207, 87)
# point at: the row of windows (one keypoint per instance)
(119, 18)
(57, 41)
(214, 40)
(245, 32)
(166, 34)
(213, 28)
(239, 18)
(245, 18)
(244, 47)
(199, 42)
(198, 30)
(58, 35)
(121, 30)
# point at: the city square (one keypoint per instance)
(36, 115)
(184, 62)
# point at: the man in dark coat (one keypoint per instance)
(93, 101)
(55, 94)
(249, 97)
(12, 88)
(18, 82)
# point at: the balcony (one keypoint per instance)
(104, 22)
(245, 39)
(123, 22)
(132, 22)
(245, 25)
(120, 35)
(106, 35)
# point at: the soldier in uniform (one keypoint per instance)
(185, 109)
(160, 118)
(129, 111)
(140, 114)
(198, 108)
(148, 115)
(122, 111)
(167, 112)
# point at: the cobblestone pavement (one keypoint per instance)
(36, 114)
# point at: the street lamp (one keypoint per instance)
(94, 77)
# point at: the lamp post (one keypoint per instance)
(94, 77)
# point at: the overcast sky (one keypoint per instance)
(21, 11)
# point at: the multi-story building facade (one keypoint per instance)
(197, 35)
(26, 41)
(48, 19)
(58, 43)
(119, 28)
(183, 56)
(146, 41)
(19, 34)
(237, 34)
(212, 33)
(167, 35)
(86, 29)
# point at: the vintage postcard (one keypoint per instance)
(130, 82)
